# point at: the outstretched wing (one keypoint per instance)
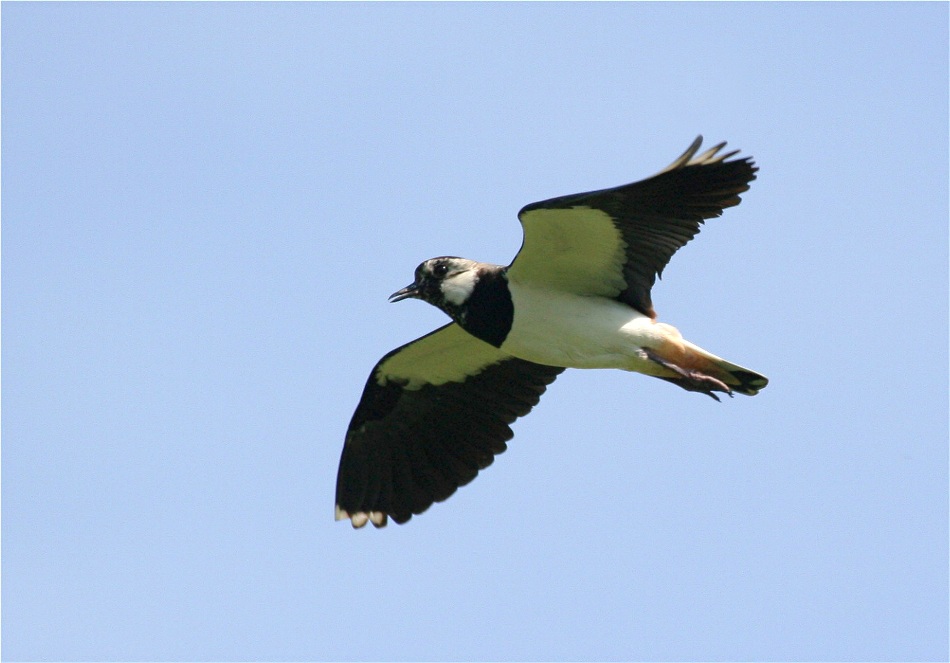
(615, 242)
(433, 413)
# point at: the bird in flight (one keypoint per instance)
(437, 410)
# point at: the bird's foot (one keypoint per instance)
(691, 380)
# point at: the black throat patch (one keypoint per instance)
(489, 313)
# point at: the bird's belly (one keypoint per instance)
(576, 331)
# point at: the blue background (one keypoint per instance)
(205, 207)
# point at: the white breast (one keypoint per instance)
(563, 329)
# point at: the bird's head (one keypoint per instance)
(446, 283)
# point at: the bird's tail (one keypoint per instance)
(694, 369)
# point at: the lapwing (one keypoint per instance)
(437, 410)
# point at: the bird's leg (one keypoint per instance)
(691, 380)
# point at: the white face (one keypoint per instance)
(458, 284)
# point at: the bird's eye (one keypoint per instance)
(440, 269)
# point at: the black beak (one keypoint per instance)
(411, 290)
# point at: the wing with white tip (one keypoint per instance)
(433, 413)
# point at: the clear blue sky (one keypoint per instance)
(205, 207)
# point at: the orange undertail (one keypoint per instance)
(692, 368)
